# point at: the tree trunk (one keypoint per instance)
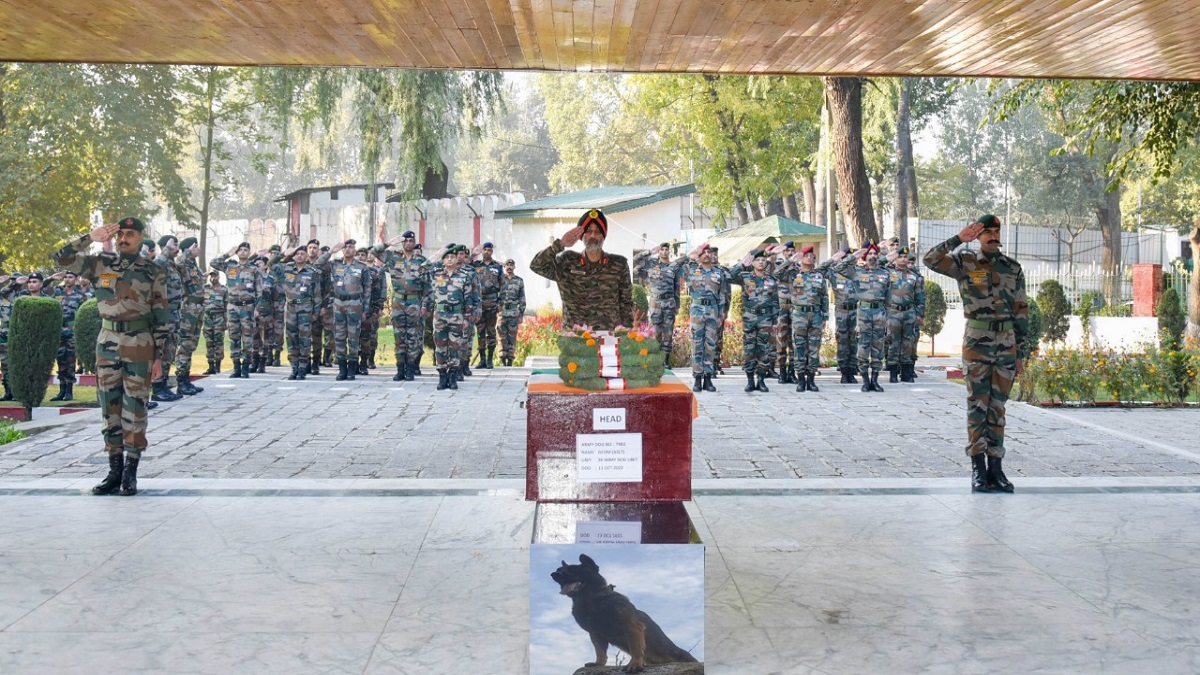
(818, 206)
(774, 206)
(210, 123)
(3, 72)
(791, 205)
(810, 202)
(879, 202)
(1193, 321)
(854, 188)
(904, 162)
(1109, 217)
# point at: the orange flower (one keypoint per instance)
(640, 338)
(572, 367)
(587, 334)
(644, 352)
(591, 343)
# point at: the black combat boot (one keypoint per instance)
(491, 357)
(699, 386)
(410, 368)
(313, 364)
(116, 467)
(906, 372)
(262, 364)
(866, 377)
(979, 478)
(801, 382)
(762, 382)
(442, 380)
(417, 363)
(351, 369)
(875, 381)
(70, 392)
(303, 371)
(466, 368)
(361, 365)
(341, 370)
(812, 384)
(129, 477)
(845, 375)
(212, 368)
(370, 360)
(295, 372)
(893, 373)
(751, 385)
(452, 380)
(850, 373)
(62, 393)
(771, 371)
(183, 385)
(162, 394)
(783, 375)
(401, 366)
(461, 373)
(995, 476)
(708, 385)
(237, 369)
(278, 355)
(7, 392)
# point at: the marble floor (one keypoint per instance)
(432, 577)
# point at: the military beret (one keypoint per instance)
(243, 245)
(275, 248)
(989, 221)
(894, 240)
(462, 248)
(325, 249)
(594, 216)
(790, 244)
(214, 273)
(187, 243)
(131, 223)
(488, 244)
(36, 275)
(755, 255)
(450, 250)
(149, 243)
(510, 261)
(808, 249)
(418, 245)
(315, 241)
(350, 242)
(408, 235)
(713, 249)
(162, 241)
(903, 251)
(872, 247)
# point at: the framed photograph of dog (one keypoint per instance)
(629, 605)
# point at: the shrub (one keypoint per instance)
(1171, 319)
(33, 337)
(87, 331)
(9, 433)
(1037, 325)
(935, 313)
(640, 303)
(1056, 311)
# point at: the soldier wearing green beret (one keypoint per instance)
(191, 312)
(134, 320)
(995, 343)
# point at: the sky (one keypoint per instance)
(664, 580)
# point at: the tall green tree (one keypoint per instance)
(845, 96)
(514, 152)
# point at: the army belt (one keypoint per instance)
(807, 308)
(979, 324)
(707, 302)
(666, 296)
(761, 310)
(340, 296)
(849, 306)
(131, 326)
(449, 307)
(903, 308)
(241, 303)
(406, 296)
(870, 305)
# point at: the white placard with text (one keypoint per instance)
(608, 419)
(608, 458)
(608, 532)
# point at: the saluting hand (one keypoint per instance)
(971, 232)
(573, 235)
(103, 233)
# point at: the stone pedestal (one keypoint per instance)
(1147, 289)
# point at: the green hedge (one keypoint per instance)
(87, 332)
(33, 337)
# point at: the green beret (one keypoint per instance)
(989, 221)
(131, 223)
(162, 241)
(757, 254)
(187, 243)
(149, 243)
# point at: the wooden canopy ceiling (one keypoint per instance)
(1127, 39)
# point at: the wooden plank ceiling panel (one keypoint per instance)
(1147, 39)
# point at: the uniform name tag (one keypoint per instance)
(108, 280)
(978, 276)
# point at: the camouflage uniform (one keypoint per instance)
(349, 301)
(323, 320)
(662, 290)
(70, 301)
(278, 320)
(845, 318)
(488, 275)
(468, 334)
(594, 294)
(189, 315)
(410, 285)
(134, 321)
(264, 313)
(724, 316)
(451, 300)
(905, 306)
(7, 293)
(707, 290)
(301, 288)
(174, 304)
(996, 335)
(872, 287)
(512, 310)
(245, 286)
(373, 299)
(809, 292)
(214, 325)
(783, 332)
(760, 310)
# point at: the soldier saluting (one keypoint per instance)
(995, 341)
(134, 320)
(596, 287)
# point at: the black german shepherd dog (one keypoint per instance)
(610, 618)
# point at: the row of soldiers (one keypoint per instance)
(878, 307)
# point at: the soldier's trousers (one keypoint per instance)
(468, 337)
(214, 337)
(846, 326)
(448, 333)
(407, 326)
(902, 329)
(4, 353)
(487, 325)
(704, 321)
(720, 356)
(872, 329)
(264, 329)
(368, 334)
(189, 335)
(509, 327)
(991, 358)
(327, 325)
(299, 323)
(66, 357)
(172, 342)
(758, 332)
(279, 321)
(240, 319)
(806, 340)
(122, 389)
(347, 327)
(662, 317)
(783, 338)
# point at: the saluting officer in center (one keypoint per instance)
(760, 309)
(346, 273)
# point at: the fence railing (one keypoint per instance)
(1076, 285)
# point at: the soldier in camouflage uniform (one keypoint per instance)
(596, 288)
(995, 343)
(808, 289)
(845, 318)
(346, 274)
(488, 273)
(323, 319)
(410, 284)
(9, 285)
(245, 286)
(655, 269)
(264, 313)
(872, 286)
(464, 350)
(70, 296)
(214, 322)
(168, 246)
(134, 320)
(906, 312)
(706, 286)
(760, 309)
(512, 310)
(375, 296)
(189, 315)
(301, 287)
(278, 310)
(724, 315)
(450, 301)
(783, 328)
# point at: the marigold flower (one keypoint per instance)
(572, 367)
(591, 343)
(644, 352)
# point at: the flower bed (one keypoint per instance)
(1098, 376)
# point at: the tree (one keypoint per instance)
(87, 331)
(1056, 311)
(854, 188)
(514, 152)
(1171, 320)
(935, 313)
